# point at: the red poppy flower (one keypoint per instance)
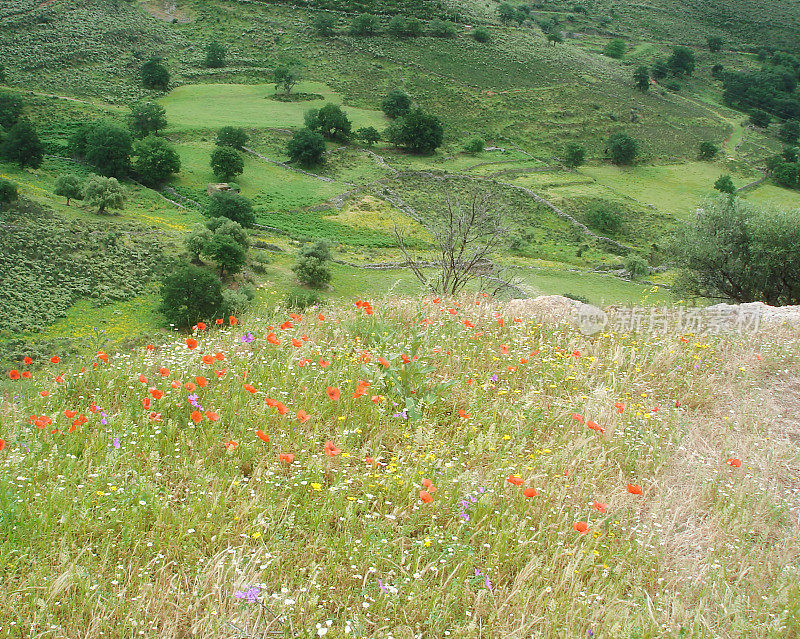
(231, 445)
(164, 372)
(463, 414)
(142, 379)
(425, 496)
(27, 374)
(103, 356)
(262, 436)
(232, 320)
(156, 393)
(635, 489)
(219, 356)
(331, 449)
(14, 374)
(273, 339)
(2, 444)
(735, 463)
(513, 479)
(530, 492)
(250, 388)
(55, 359)
(599, 506)
(428, 484)
(212, 416)
(577, 417)
(595, 426)
(191, 342)
(581, 526)
(145, 404)
(286, 458)
(218, 322)
(333, 392)
(619, 406)
(197, 416)
(27, 361)
(303, 416)
(202, 382)
(208, 359)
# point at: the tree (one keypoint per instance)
(708, 150)
(286, 77)
(506, 12)
(234, 230)
(155, 160)
(481, 34)
(402, 27)
(226, 163)
(364, 25)
(10, 110)
(473, 146)
(155, 75)
(233, 207)
(396, 103)
(195, 242)
(146, 118)
(417, 131)
(22, 145)
(104, 193)
(759, 118)
(787, 174)
(622, 148)
(306, 147)
(735, 250)
(441, 28)
(311, 267)
(68, 185)
(229, 255)
(189, 295)
(660, 69)
(789, 132)
(8, 192)
(636, 266)
(714, 43)
(324, 23)
(615, 49)
(232, 136)
(464, 238)
(681, 62)
(724, 184)
(574, 155)
(369, 135)
(215, 55)
(330, 120)
(641, 78)
(107, 147)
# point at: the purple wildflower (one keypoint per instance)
(115, 442)
(251, 594)
(247, 338)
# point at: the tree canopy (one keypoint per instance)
(306, 147)
(417, 131)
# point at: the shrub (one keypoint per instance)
(104, 193)
(660, 69)
(681, 62)
(759, 118)
(195, 242)
(68, 185)
(622, 148)
(364, 25)
(442, 29)
(233, 207)
(636, 266)
(417, 131)
(369, 135)
(10, 110)
(146, 118)
(708, 150)
(311, 267)
(402, 27)
(324, 23)
(189, 295)
(22, 145)
(473, 146)
(615, 49)
(306, 147)
(714, 43)
(226, 163)
(234, 230)
(106, 146)
(301, 299)
(8, 192)
(481, 34)
(232, 136)
(641, 78)
(603, 217)
(724, 184)
(574, 155)
(155, 160)
(789, 132)
(235, 302)
(286, 77)
(215, 55)
(396, 103)
(155, 75)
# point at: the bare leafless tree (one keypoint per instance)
(464, 238)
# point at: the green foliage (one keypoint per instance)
(233, 136)
(474, 145)
(155, 160)
(368, 135)
(306, 147)
(3, 77)
(235, 302)
(615, 49)
(8, 192)
(738, 251)
(105, 145)
(146, 118)
(681, 62)
(195, 242)
(604, 217)
(331, 121)
(68, 185)
(771, 89)
(622, 148)
(403, 27)
(708, 150)
(229, 254)
(364, 25)
(287, 77)
(574, 155)
(311, 267)
(714, 43)
(226, 163)
(396, 103)
(759, 118)
(189, 295)
(789, 132)
(724, 184)
(481, 34)
(641, 77)
(441, 29)
(232, 206)
(324, 24)
(10, 109)
(104, 193)
(417, 131)
(234, 230)
(22, 145)
(636, 266)
(660, 69)
(155, 75)
(215, 55)
(787, 174)
(301, 299)
(506, 12)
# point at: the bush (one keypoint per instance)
(68, 185)
(641, 77)
(106, 146)
(708, 150)
(789, 132)
(396, 103)
(195, 242)
(8, 192)
(574, 155)
(311, 267)
(286, 77)
(622, 148)
(324, 23)
(615, 49)
(10, 110)
(155, 160)
(364, 25)
(235, 302)
(226, 163)
(604, 218)
(660, 69)
(104, 193)
(189, 295)
(232, 136)
(22, 145)
(369, 135)
(441, 29)
(724, 184)
(233, 207)
(714, 43)
(306, 147)
(215, 55)
(417, 131)
(636, 267)
(331, 121)
(146, 118)
(229, 228)
(402, 27)
(681, 62)
(155, 75)
(301, 299)
(473, 146)
(481, 34)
